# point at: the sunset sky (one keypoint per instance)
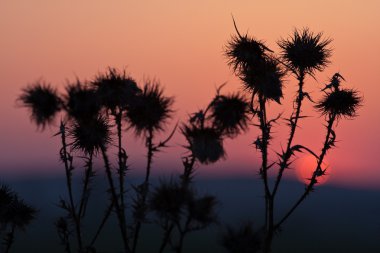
(181, 43)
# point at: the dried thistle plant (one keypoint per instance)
(15, 214)
(261, 72)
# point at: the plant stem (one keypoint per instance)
(145, 189)
(102, 223)
(85, 190)
(114, 197)
(188, 163)
(293, 126)
(122, 162)
(10, 239)
(167, 237)
(187, 171)
(269, 203)
(182, 234)
(264, 151)
(67, 160)
(313, 180)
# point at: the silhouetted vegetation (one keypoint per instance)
(262, 72)
(15, 214)
(95, 114)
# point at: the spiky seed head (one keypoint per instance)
(82, 102)
(306, 51)
(264, 79)
(202, 210)
(150, 109)
(168, 199)
(206, 144)
(20, 214)
(43, 101)
(14, 210)
(115, 89)
(341, 103)
(62, 225)
(229, 114)
(6, 198)
(243, 51)
(90, 136)
(243, 239)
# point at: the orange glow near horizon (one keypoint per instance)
(181, 44)
(305, 167)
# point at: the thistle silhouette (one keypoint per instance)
(147, 115)
(305, 52)
(43, 102)
(179, 208)
(224, 117)
(90, 136)
(95, 114)
(82, 103)
(341, 103)
(243, 239)
(262, 72)
(229, 113)
(150, 110)
(14, 214)
(206, 144)
(116, 90)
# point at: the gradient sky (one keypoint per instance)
(181, 43)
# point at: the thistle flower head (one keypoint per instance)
(206, 143)
(241, 240)
(82, 102)
(229, 113)
(202, 210)
(90, 136)
(20, 214)
(264, 79)
(243, 51)
(115, 89)
(341, 103)
(43, 102)
(168, 200)
(306, 51)
(14, 210)
(6, 197)
(150, 109)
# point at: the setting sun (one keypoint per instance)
(305, 166)
(189, 126)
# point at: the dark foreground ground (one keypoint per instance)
(331, 220)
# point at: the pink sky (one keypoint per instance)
(181, 44)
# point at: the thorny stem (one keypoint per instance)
(264, 148)
(102, 223)
(149, 155)
(64, 236)
(145, 189)
(265, 135)
(293, 126)
(167, 237)
(68, 168)
(122, 162)
(182, 234)
(10, 239)
(85, 190)
(188, 163)
(313, 180)
(114, 198)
